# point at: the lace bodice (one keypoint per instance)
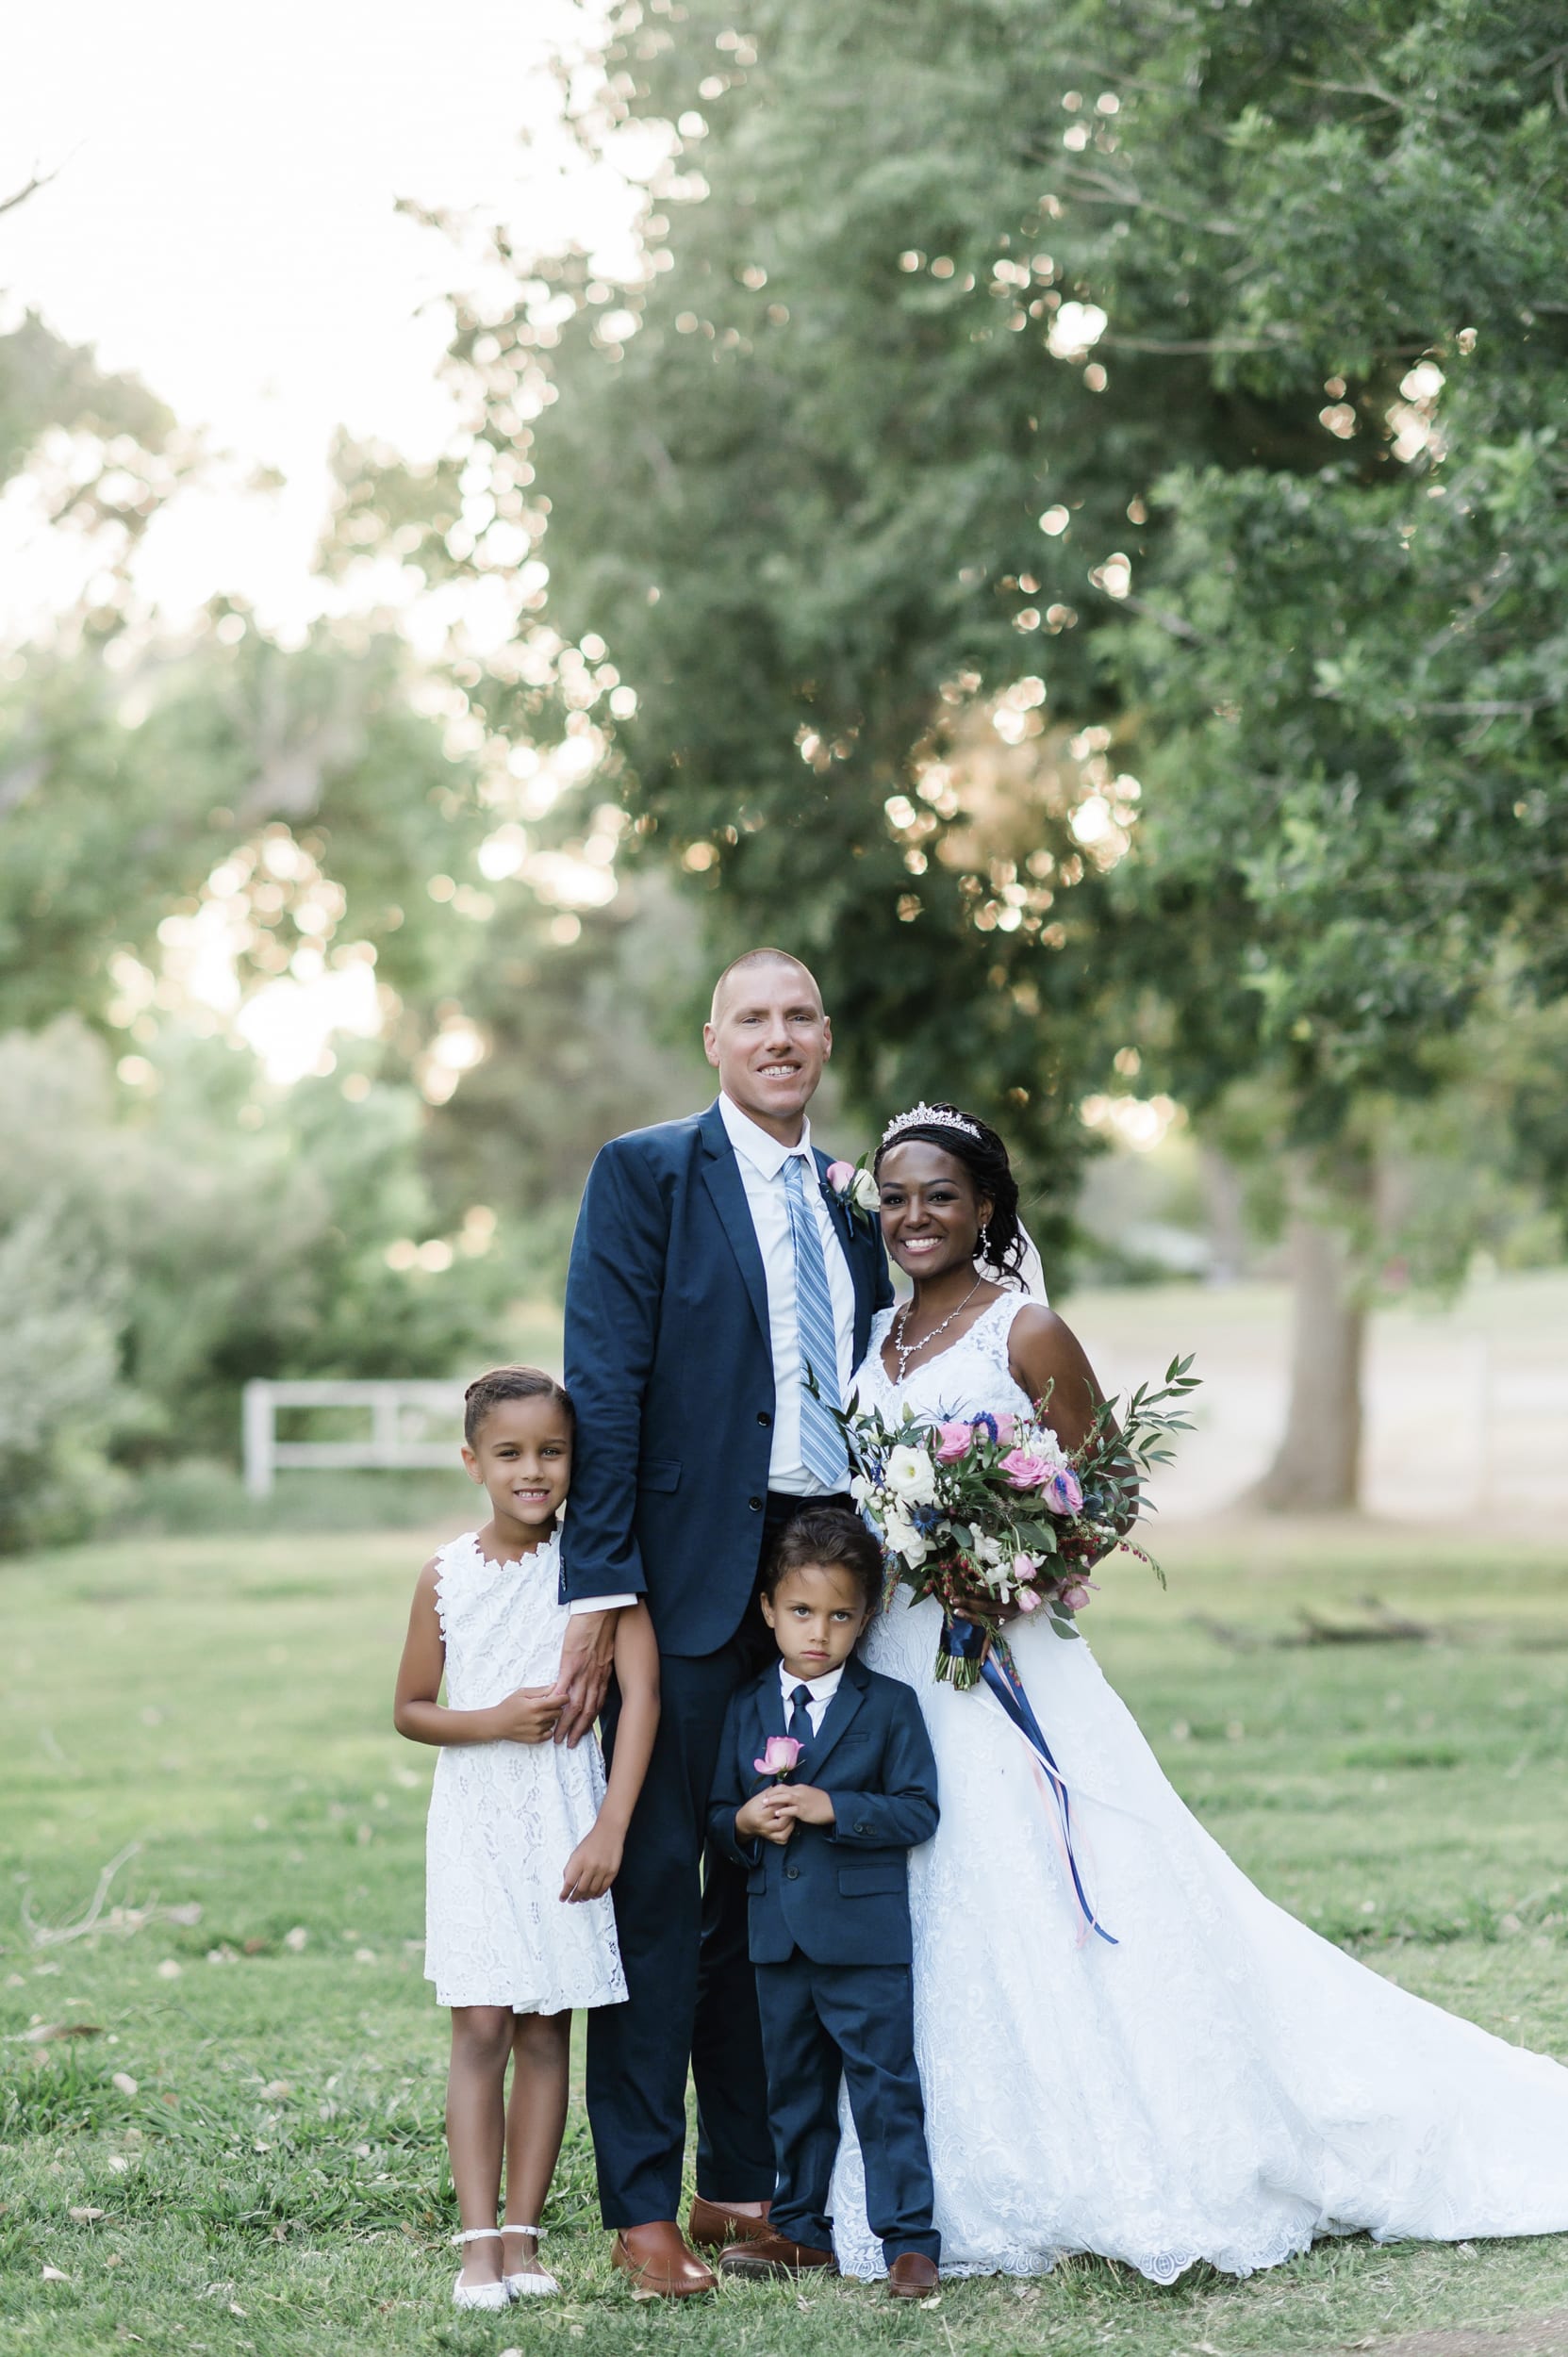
(970, 1376)
(502, 1624)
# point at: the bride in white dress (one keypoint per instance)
(1220, 2085)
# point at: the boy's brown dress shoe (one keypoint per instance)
(657, 2260)
(774, 2254)
(912, 2276)
(711, 2226)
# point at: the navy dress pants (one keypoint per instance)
(821, 2022)
(681, 1921)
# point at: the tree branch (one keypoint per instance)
(20, 196)
(1172, 623)
(1113, 192)
(1281, 336)
(1490, 709)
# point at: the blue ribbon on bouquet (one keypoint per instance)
(967, 1641)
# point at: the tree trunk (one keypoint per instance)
(1225, 1214)
(1316, 1469)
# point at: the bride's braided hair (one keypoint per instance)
(980, 1150)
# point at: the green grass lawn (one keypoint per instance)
(247, 2154)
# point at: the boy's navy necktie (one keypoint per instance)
(800, 1716)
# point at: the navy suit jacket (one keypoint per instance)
(670, 1366)
(838, 1892)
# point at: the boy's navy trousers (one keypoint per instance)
(819, 2021)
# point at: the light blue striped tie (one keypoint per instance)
(822, 1444)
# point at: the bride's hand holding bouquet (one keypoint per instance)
(993, 1516)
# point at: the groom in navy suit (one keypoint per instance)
(711, 1265)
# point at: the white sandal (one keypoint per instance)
(480, 2294)
(528, 2279)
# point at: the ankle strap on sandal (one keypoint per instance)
(479, 2234)
(537, 2232)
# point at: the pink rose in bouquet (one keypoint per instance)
(1026, 1469)
(955, 1441)
(1074, 1595)
(780, 1753)
(1063, 1492)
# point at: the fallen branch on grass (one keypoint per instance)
(122, 1919)
(1383, 1628)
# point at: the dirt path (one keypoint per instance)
(1545, 2336)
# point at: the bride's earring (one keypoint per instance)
(984, 1240)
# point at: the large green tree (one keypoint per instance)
(1076, 493)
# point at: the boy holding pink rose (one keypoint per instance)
(826, 1780)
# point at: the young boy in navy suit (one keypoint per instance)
(827, 1877)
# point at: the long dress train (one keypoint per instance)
(1223, 2083)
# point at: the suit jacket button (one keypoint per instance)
(792, 1874)
(862, 1829)
(755, 1504)
(763, 1417)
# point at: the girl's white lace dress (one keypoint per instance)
(505, 1818)
(1222, 2084)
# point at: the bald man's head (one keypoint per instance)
(747, 963)
(768, 1038)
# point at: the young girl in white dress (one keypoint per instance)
(525, 1839)
(1221, 2084)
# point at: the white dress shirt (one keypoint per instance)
(821, 1691)
(760, 1162)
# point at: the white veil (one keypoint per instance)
(1028, 1278)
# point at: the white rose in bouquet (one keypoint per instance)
(902, 1536)
(911, 1476)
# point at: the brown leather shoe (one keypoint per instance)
(659, 2263)
(912, 2276)
(710, 2226)
(775, 2254)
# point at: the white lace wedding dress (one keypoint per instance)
(1222, 2084)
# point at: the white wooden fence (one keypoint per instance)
(411, 1424)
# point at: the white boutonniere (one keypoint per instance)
(854, 1188)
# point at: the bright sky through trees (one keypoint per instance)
(222, 223)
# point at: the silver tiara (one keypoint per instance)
(926, 1117)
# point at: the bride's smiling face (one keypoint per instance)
(931, 1213)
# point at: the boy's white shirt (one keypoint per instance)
(760, 1159)
(821, 1691)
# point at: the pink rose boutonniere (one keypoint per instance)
(781, 1756)
(851, 1186)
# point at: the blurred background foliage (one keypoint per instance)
(1065, 527)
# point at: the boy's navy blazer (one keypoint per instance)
(669, 1364)
(839, 1892)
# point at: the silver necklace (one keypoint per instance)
(904, 1353)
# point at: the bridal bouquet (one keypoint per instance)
(994, 1508)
